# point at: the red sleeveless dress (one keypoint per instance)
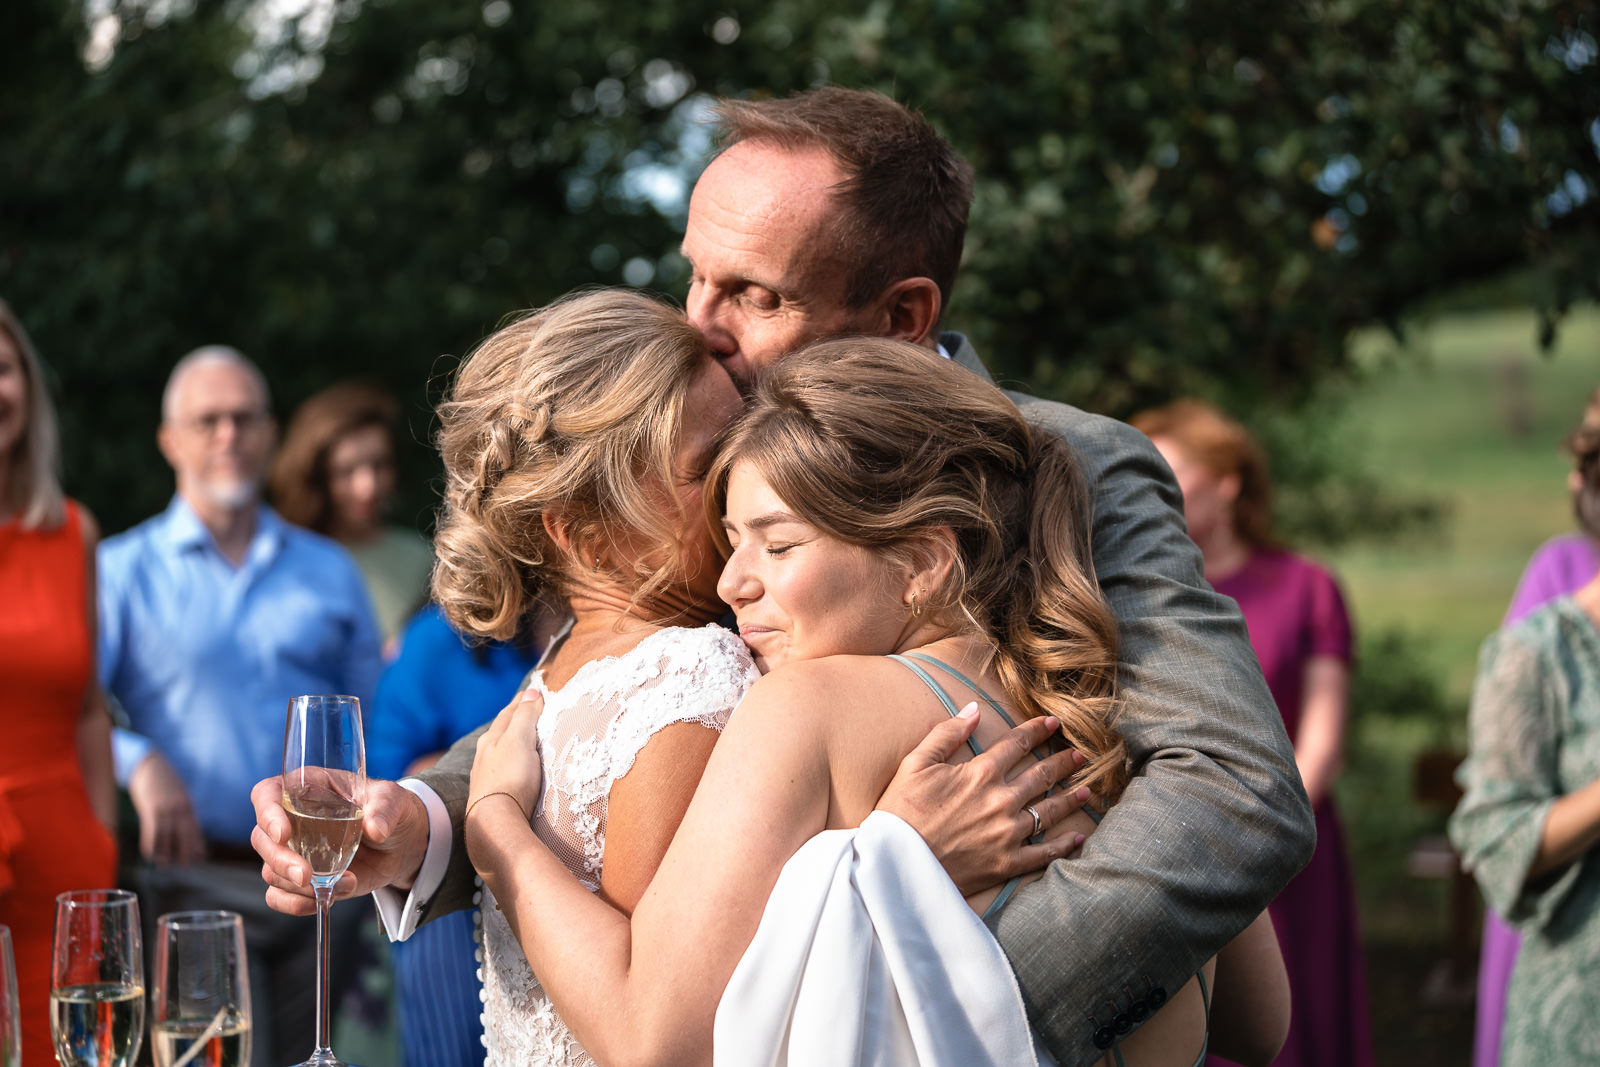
(50, 841)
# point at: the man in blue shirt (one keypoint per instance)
(212, 615)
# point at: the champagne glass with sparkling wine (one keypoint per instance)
(200, 992)
(324, 792)
(97, 979)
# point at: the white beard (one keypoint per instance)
(231, 495)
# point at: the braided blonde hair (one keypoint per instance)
(574, 409)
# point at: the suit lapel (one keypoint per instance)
(962, 352)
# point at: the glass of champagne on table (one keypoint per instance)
(10, 1020)
(324, 792)
(200, 992)
(97, 979)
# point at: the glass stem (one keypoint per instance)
(324, 894)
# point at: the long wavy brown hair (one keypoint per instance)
(881, 444)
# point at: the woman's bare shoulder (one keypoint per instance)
(856, 705)
(829, 679)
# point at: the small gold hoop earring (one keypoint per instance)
(916, 609)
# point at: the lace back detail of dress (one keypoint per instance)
(589, 735)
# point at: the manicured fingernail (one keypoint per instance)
(1078, 839)
(969, 712)
(1078, 758)
(1082, 794)
(296, 876)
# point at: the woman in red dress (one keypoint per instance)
(57, 796)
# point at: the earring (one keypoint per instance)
(916, 609)
(597, 564)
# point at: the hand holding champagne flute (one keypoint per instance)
(324, 790)
(97, 979)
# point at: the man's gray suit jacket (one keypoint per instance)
(1214, 822)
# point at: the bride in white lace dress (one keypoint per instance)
(575, 443)
(591, 733)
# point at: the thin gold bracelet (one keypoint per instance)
(498, 793)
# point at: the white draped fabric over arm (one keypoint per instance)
(867, 954)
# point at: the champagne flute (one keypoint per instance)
(324, 792)
(97, 979)
(200, 992)
(10, 1019)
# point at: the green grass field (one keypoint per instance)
(1470, 413)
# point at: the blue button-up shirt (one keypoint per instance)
(204, 655)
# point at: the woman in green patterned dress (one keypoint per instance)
(1529, 823)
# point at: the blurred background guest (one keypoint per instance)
(57, 796)
(1560, 567)
(335, 474)
(1528, 823)
(440, 687)
(1301, 633)
(213, 614)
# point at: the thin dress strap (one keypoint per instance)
(1205, 1042)
(950, 706)
(970, 684)
(1205, 999)
(938, 691)
(964, 680)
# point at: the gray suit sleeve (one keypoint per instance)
(450, 779)
(1215, 820)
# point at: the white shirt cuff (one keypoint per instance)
(400, 915)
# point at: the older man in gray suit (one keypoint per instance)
(840, 212)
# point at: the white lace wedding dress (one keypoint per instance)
(589, 733)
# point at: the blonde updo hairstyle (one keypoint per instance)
(573, 409)
(883, 444)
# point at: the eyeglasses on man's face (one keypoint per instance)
(210, 423)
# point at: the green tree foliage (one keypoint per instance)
(1175, 197)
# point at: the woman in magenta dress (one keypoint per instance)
(1560, 567)
(57, 800)
(1301, 634)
